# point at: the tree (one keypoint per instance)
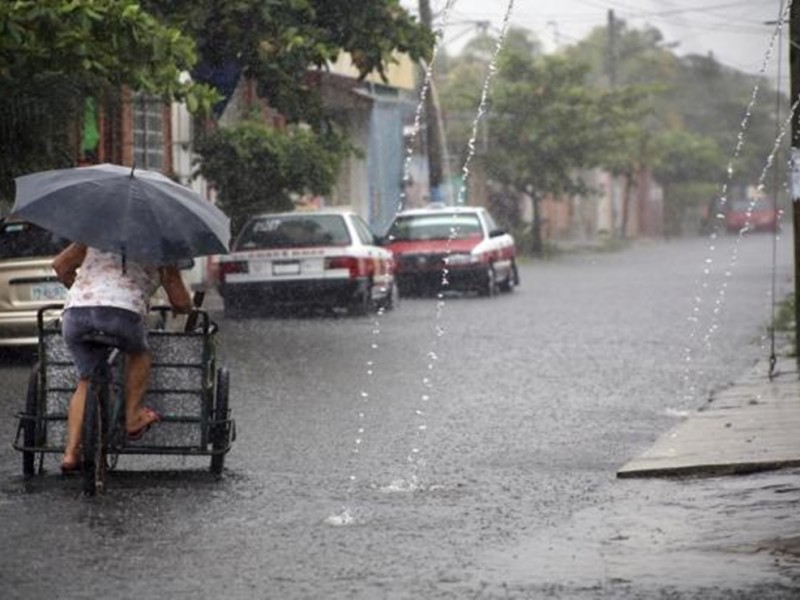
(685, 161)
(692, 93)
(547, 126)
(53, 55)
(277, 163)
(275, 44)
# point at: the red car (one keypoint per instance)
(451, 248)
(744, 215)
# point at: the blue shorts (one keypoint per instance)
(127, 325)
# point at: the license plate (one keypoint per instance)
(48, 292)
(286, 268)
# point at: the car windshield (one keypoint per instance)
(294, 231)
(447, 226)
(25, 240)
(745, 204)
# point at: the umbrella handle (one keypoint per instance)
(197, 302)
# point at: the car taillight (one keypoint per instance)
(358, 267)
(234, 266)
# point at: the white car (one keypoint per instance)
(324, 259)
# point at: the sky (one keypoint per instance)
(737, 32)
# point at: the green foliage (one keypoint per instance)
(686, 157)
(276, 42)
(258, 168)
(693, 93)
(54, 54)
(96, 44)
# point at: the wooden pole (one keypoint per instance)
(794, 76)
(434, 142)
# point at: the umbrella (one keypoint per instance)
(143, 215)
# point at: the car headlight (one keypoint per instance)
(460, 259)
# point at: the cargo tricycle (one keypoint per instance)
(186, 387)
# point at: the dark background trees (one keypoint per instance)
(637, 107)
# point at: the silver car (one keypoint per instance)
(27, 281)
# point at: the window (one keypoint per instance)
(20, 239)
(148, 132)
(435, 226)
(364, 232)
(294, 232)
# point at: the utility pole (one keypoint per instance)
(794, 76)
(612, 50)
(434, 141)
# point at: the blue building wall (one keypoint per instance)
(386, 155)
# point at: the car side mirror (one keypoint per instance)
(497, 232)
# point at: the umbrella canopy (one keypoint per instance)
(141, 214)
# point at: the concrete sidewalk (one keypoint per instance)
(751, 426)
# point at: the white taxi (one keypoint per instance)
(324, 259)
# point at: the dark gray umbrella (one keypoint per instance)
(141, 214)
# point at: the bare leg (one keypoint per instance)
(77, 404)
(136, 376)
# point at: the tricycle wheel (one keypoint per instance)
(29, 424)
(219, 431)
(93, 441)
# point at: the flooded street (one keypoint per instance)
(458, 450)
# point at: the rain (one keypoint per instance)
(591, 398)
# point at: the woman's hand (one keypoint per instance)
(178, 295)
(67, 262)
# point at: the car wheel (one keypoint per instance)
(512, 279)
(489, 287)
(389, 302)
(363, 304)
(406, 290)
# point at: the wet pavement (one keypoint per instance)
(750, 426)
(464, 450)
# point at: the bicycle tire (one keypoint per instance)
(93, 440)
(220, 430)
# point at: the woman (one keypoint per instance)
(111, 294)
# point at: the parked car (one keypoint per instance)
(27, 281)
(324, 259)
(749, 214)
(466, 241)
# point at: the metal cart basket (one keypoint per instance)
(186, 387)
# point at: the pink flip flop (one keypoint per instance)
(154, 418)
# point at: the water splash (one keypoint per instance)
(694, 318)
(402, 486)
(346, 517)
(341, 519)
(415, 458)
(719, 303)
